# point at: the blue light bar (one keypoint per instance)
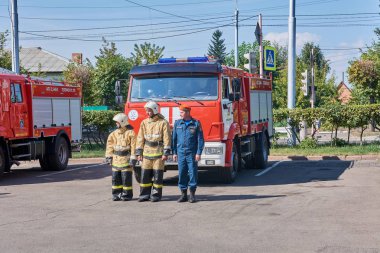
(188, 59)
(197, 59)
(166, 60)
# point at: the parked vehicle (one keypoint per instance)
(234, 107)
(38, 120)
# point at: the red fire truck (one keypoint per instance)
(234, 107)
(38, 120)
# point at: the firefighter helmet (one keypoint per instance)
(121, 118)
(152, 105)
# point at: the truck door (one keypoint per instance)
(19, 110)
(227, 111)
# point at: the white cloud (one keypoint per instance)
(301, 38)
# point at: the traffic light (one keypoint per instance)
(251, 65)
(305, 83)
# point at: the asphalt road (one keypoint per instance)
(296, 206)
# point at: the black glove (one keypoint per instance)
(133, 162)
(108, 160)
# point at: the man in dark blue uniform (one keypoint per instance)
(187, 146)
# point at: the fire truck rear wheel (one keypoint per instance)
(60, 158)
(261, 155)
(3, 161)
(228, 174)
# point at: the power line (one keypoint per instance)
(141, 39)
(117, 27)
(115, 7)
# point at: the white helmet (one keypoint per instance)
(121, 118)
(152, 105)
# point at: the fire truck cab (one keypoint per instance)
(233, 106)
(38, 120)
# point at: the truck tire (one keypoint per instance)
(3, 162)
(59, 159)
(262, 153)
(44, 163)
(228, 174)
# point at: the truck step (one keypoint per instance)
(242, 143)
(21, 156)
(20, 145)
(245, 154)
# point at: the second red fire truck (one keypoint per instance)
(234, 107)
(39, 120)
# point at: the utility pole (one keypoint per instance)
(312, 97)
(236, 35)
(15, 43)
(291, 67)
(261, 46)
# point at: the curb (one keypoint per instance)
(323, 158)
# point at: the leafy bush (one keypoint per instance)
(100, 119)
(332, 116)
(338, 142)
(308, 143)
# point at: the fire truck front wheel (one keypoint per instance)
(228, 174)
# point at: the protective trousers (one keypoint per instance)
(187, 171)
(122, 183)
(151, 169)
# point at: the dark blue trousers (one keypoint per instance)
(187, 171)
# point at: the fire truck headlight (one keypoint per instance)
(213, 150)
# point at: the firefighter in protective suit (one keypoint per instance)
(152, 148)
(120, 154)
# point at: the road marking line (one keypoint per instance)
(268, 169)
(60, 172)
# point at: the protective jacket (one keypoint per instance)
(121, 147)
(154, 139)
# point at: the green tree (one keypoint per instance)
(364, 73)
(280, 77)
(5, 55)
(217, 48)
(110, 66)
(149, 52)
(81, 74)
(326, 92)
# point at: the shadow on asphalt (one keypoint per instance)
(287, 172)
(208, 198)
(37, 176)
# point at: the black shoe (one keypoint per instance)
(126, 198)
(192, 196)
(154, 199)
(183, 197)
(116, 198)
(142, 199)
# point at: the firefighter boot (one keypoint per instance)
(158, 178)
(192, 196)
(183, 197)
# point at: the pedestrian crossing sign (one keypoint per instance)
(269, 58)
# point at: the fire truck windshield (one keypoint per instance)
(179, 87)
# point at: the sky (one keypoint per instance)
(339, 27)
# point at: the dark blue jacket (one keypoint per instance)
(187, 138)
